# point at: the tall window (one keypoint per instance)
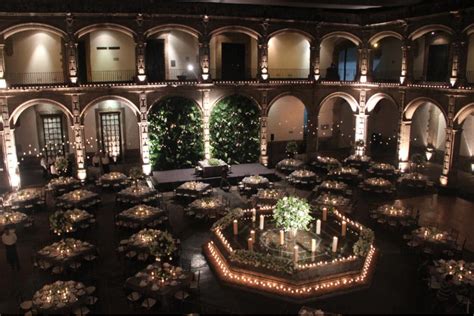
(111, 133)
(53, 135)
(347, 67)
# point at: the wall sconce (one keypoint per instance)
(190, 67)
(429, 152)
(141, 78)
(205, 76)
(73, 80)
(452, 81)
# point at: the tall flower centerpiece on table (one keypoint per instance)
(362, 246)
(214, 162)
(163, 246)
(418, 162)
(292, 214)
(61, 165)
(136, 174)
(291, 149)
(59, 223)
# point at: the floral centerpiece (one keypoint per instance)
(292, 214)
(362, 246)
(214, 162)
(61, 164)
(291, 149)
(418, 162)
(60, 223)
(163, 245)
(136, 174)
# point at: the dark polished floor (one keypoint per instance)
(395, 287)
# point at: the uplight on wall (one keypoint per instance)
(190, 67)
(429, 152)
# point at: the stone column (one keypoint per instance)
(454, 63)
(140, 45)
(79, 136)
(71, 51)
(262, 72)
(204, 51)
(206, 108)
(407, 63)
(453, 141)
(9, 147)
(364, 64)
(263, 130)
(404, 145)
(314, 71)
(3, 82)
(143, 134)
(361, 120)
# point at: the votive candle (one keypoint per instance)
(295, 254)
(318, 227)
(252, 234)
(343, 228)
(236, 227)
(334, 244)
(313, 245)
(250, 244)
(282, 237)
(325, 214)
(254, 215)
(262, 220)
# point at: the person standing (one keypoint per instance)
(44, 166)
(9, 240)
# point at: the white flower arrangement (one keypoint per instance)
(292, 213)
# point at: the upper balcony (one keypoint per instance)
(107, 55)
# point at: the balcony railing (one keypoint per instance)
(111, 76)
(34, 78)
(386, 75)
(470, 76)
(182, 74)
(287, 73)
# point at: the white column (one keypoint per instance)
(206, 107)
(361, 120)
(78, 130)
(404, 145)
(364, 63)
(144, 139)
(263, 140)
(314, 72)
(9, 148)
(3, 82)
(263, 59)
(71, 50)
(452, 142)
(140, 45)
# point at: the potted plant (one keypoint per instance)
(292, 149)
(292, 214)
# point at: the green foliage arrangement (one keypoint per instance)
(214, 162)
(59, 223)
(292, 148)
(61, 165)
(234, 130)
(226, 220)
(362, 246)
(292, 213)
(175, 131)
(164, 244)
(261, 260)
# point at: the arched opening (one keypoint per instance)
(106, 55)
(112, 129)
(428, 130)
(233, 56)
(431, 56)
(466, 148)
(336, 126)
(386, 55)
(288, 55)
(234, 130)
(172, 54)
(287, 121)
(470, 59)
(34, 57)
(176, 133)
(338, 59)
(382, 129)
(41, 129)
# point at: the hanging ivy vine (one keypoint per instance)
(175, 131)
(234, 129)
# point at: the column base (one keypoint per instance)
(264, 160)
(403, 166)
(82, 174)
(146, 167)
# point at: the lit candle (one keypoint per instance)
(318, 227)
(282, 237)
(334, 244)
(236, 227)
(252, 234)
(254, 215)
(250, 244)
(325, 214)
(295, 255)
(262, 219)
(343, 228)
(313, 245)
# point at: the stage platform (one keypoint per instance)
(170, 179)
